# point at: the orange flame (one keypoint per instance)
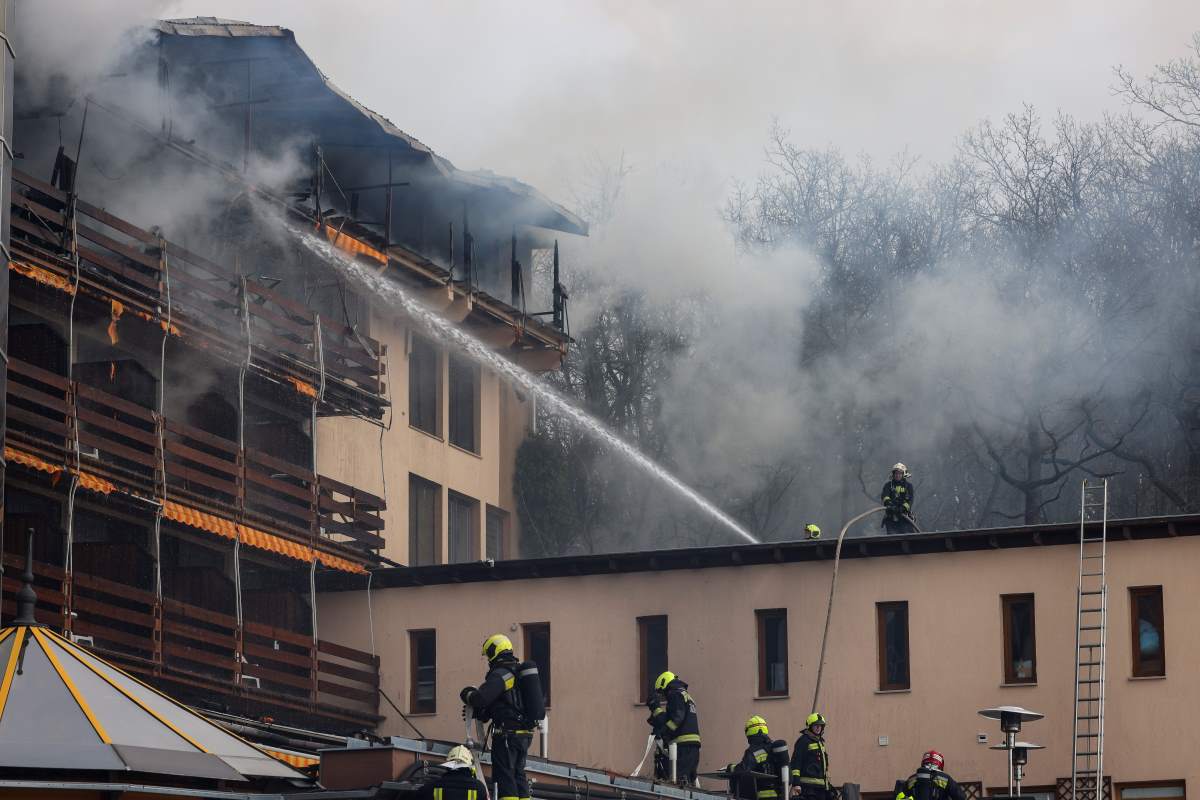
(118, 308)
(355, 247)
(42, 276)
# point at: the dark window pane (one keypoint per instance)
(772, 652)
(537, 650)
(1020, 641)
(652, 641)
(461, 529)
(424, 383)
(495, 534)
(464, 403)
(423, 696)
(1149, 634)
(423, 530)
(893, 645)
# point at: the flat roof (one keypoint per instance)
(742, 555)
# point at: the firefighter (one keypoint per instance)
(810, 761)
(757, 775)
(897, 500)
(458, 782)
(678, 725)
(498, 700)
(931, 782)
(812, 531)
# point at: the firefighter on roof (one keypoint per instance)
(678, 725)
(511, 698)
(810, 762)
(897, 500)
(931, 782)
(757, 775)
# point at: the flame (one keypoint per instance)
(355, 247)
(112, 371)
(118, 308)
(306, 389)
(42, 276)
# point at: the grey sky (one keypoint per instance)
(530, 88)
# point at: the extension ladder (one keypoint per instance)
(1091, 640)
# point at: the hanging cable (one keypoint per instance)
(312, 593)
(162, 399)
(370, 611)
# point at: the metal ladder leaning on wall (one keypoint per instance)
(1091, 644)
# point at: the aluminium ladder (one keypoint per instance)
(1091, 641)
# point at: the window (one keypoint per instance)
(652, 652)
(424, 521)
(537, 650)
(424, 386)
(464, 403)
(497, 526)
(464, 520)
(422, 646)
(1152, 790)
(1020, 644)
(892, 624)
(772, 652)
(1149, 640)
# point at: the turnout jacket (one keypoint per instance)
(897, 498)
(676, 720)
(929, 783)
(810, 761)
(496, 698)
(766, 757)
(454, 784)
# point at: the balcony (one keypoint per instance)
(204, 657)
(211, 306)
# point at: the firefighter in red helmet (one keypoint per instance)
(931, 781)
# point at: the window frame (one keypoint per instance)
(455, 366)
(414, 706)
(1118, 789)
(761, 617)
(416, 341)
(472, 506)
(645, 679)
(1007, 601)
(414, 561)
(881, 609)
(544, 670)
(492, 512)
(1137, 662)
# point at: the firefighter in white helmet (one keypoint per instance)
(897, 499)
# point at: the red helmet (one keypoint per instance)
(933, 758)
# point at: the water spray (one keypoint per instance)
(451, 334)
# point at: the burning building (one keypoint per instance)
(203, 415)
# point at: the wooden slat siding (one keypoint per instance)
(367, 540)
(116, 426)
(93, 394)
(183, 631)
(261, 337)
(41, 398)
(109, 243)
(25, 369)
(44, 423)
(44, 593)
(286, 303)
(88, 255)
(279, 465)
(210, 439)
(300, 513)
(220, 661)
(187, 611)
(97, 628)
(226, 466)
(105, 445)
(49, 618)
(359, 520)
(338, 689)
(26, 179)
(34, 207)
(303, 331)
(282, 656)
(348, 653)
(40, 568)
(177, 470)
(33, 229)
(223, 292)
(268, 632)
(81, 602)
(100, 215)
(266, 674)
(329, 667)
(329, 504)
(194, 259)
(96, 583)
(300, 493)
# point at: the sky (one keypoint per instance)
(532, 88)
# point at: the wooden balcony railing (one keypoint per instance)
(131, 446)
(202, 648)
(230, 312)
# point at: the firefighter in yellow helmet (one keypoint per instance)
(810, 761)
(757, 775)
(511, 698)
(897, 500)
(678, 724)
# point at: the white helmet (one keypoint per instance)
(459, 757)
(899, 465)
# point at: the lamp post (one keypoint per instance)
(1011, 718)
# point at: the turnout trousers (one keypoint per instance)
(509, 750)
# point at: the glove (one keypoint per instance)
(466, 693)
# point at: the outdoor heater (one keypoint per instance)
(1011, 719)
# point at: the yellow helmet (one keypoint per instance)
(495, 645)
(663, 681)
(814, 719)
(813, 531)
(756, 724)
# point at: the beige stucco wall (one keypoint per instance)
(955, 641)
(349, 449)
